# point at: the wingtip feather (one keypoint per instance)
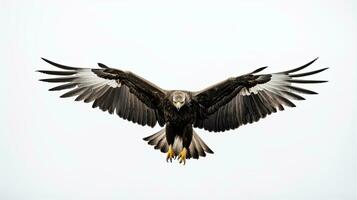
(301, 67)
(102, 65)
(59, 65)
(259, 70)
(308, 73)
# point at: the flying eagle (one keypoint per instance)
(226, 105)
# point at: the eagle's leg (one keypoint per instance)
(186, 141)
(170, 154)
(170, 138)
(182, 156)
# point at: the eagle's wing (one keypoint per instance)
(130, 96)
(246, 99)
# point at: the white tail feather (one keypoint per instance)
(196, 149)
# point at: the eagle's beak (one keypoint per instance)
(178, 105)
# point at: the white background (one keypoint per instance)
(53, 148)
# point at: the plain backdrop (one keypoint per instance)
(54, 149)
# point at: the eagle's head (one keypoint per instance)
(179, 99)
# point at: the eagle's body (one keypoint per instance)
(179, 120)
(223, 106)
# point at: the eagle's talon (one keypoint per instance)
(170, 154)
(182, 156)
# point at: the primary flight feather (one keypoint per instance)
(223, 106)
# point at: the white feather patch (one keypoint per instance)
(277, 82)
(87, 78)
(177, 146)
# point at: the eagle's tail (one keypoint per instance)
(196, 149)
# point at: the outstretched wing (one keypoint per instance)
(248, 98)
(128, 95)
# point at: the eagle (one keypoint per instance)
(227, 105)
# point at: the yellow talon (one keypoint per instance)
(170, 154)
(182, 156)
